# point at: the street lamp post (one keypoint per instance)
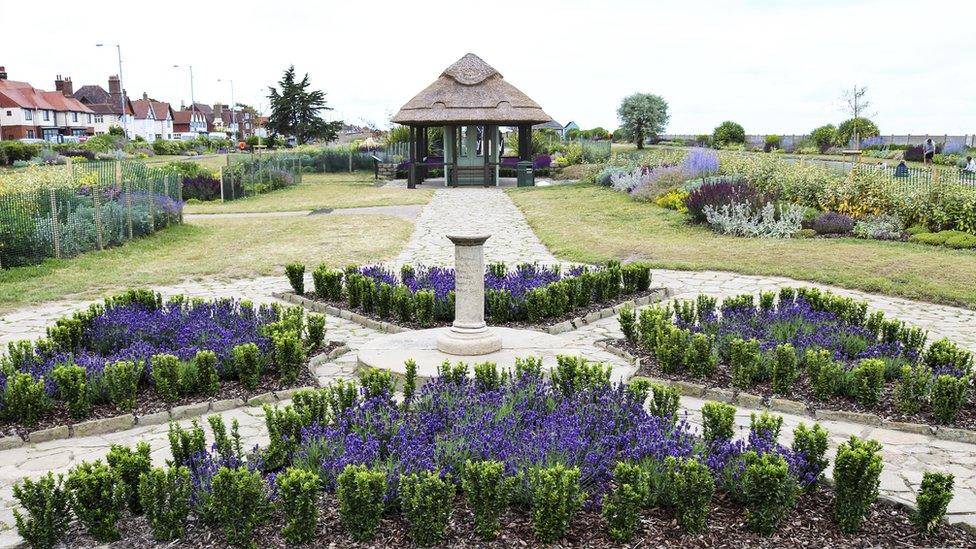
(193, 103)
(233, 119)
(118, 49)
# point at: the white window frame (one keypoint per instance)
(28, 114)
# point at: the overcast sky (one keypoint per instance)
(773, 66)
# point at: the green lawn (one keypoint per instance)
(209, 161)
(318, 190)
(591, 224)
(205, 249)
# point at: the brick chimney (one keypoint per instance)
(145, 96)
(114, 88)
(64, 85)
(3, 72)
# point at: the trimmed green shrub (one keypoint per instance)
(744, 360)
(298, 491)
(403, 303)
(97, 499)
(129, 465)
(628, 323)
(672, 348)
(636, 277)
(912, 388)
(165, 498)
(377, 383)
(812, 443)
(867, 379)
(247, 362)
(814, 360)
(284, 430)
(691, 486)
(857, 474)
(166, 376)
(296, 277)
(932, 501)
(559, 301)
(499, 303)
(24, 399)
(360, 492)
(769, 491)
(766, 425)
(185, 443)
(718, 421)
(239, 504)
(536, 304)
(209, 380)
(315, 331)
(701, 359)
(622, 504)
(829, 380)
(72, 381)
(46, 503)
(556, 496)
(487, 377)
(651, 321)
(575, 373)
(946, 353)
(949, 393)
(409, 380)
(121, 379)
(230, 447)
(426, 500)
(664, 401)
(784, 369)
(289, 356)
(328, 283)
(188, 378)
(425, 308)
(488, 492)
(384, 299)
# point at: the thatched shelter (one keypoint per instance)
(470, 101)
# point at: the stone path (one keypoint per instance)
(473, 211)
(906, 455)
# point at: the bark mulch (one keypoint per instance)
(811, 524)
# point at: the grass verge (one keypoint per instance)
(206, 249)
(319, 190)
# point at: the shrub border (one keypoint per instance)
(123, 422)
(787, 406)
(656, 294)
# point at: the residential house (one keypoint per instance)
(570, 126)
(152, 119)
(208, 113)
(552, 125)
(189, 120)
(106, 105)
(27, 112)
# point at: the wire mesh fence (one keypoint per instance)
(105, 204)
(923, 178)
(258, 174)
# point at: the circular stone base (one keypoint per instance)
(463, 343)
(391, 351)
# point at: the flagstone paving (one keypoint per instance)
(466, 211)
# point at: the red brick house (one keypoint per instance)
(27, 112)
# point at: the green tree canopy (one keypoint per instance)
(824, 136)
(295, 110)
(729, 132)
(642, 115)
(862, 126)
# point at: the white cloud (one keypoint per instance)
(774, 66)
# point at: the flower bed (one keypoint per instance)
(572, 459)
(808, 345)
(422, 297)
(135, 353)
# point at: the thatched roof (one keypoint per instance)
(471, 91)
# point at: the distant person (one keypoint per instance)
(901, 170)
(970, 165)
(929, 150)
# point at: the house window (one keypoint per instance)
(47, 115)
(99, 119)
(74, 117)
(89, 118)
(28, 114)
(9, 113)
(30, 134)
